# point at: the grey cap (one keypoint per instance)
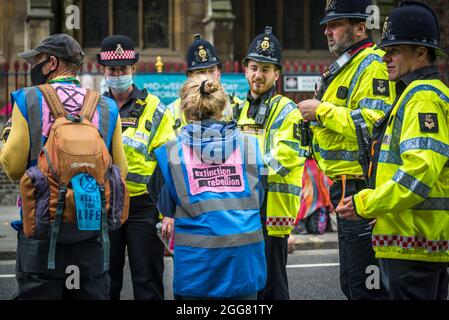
(60, 45)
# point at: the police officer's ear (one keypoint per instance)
(422, 54)
(360, 29)
(134, 68)
(277, 73)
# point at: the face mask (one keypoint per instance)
(37, 77)
(121, 83)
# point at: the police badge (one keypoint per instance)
(119, 51)
(202, 54)
(386, 32)
(331, 5)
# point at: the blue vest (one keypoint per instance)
(219, 245)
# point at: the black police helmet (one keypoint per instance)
(201, 55)
(265, 48)
(117, 50)
(412, 23)
(350, 9)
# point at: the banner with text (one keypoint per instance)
(168, 85)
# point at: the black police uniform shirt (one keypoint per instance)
(124, 110)
(254, 103)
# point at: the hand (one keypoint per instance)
(308, 109)
(346, 210)
(167, 227)
(6, 130)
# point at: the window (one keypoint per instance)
(265, 15)
(155, 23)
(294, 14)
(95, 22)
(126, 17)
(296, 23)
(145, 21)
(317, 39)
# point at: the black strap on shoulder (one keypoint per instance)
(104, 230)
(237, 110)
(56, 227)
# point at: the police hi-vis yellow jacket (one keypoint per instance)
(411, 199)
(154, 128)
(180, 118)
(280, 144)
(359, 95)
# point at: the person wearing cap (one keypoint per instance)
(354, 93)
(202, 59)
(274, 120)
(56, 60)
(146, 124)
(410, 200)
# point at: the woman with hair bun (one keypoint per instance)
(208, 187)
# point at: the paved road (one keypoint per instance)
(313, 274)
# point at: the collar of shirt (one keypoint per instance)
(135, 94)
(254, 103)
(356, 47)
(429, 72)
(65, 79)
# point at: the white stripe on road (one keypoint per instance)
(317, 265)
(7, 275)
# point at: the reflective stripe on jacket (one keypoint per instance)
(411, 199)
(359, 95)
(154, 128)
(219, 246)
(281, 149)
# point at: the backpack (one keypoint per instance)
(75, 192)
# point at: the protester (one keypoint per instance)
(208, 186)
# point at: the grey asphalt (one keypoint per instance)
(8, 236)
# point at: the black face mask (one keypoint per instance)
(37, 77)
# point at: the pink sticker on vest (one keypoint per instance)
(226, 177)
(72, 98)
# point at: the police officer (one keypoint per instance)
(410, 201)
(56, 60)
(354, 93)
(146, 124)
(202, 59)
(274, 120)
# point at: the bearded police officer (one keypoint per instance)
(274, 119)
(354, 93)
(411, 196)
(146, 124)
(202, 59)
